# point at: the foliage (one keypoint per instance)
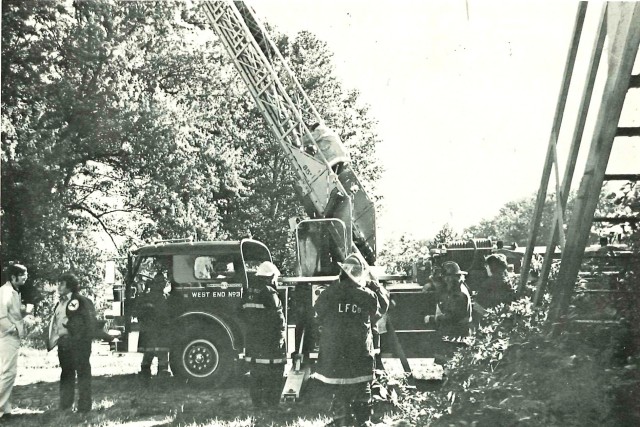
(512, 223)
(445, 235)
(398, 256)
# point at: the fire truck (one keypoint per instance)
(205, 280)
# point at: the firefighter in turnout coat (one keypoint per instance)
(154, 325)
(265, 349)
(345, 313)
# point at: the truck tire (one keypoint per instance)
(202, 357)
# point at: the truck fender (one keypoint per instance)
(196, 315)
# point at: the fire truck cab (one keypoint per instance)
(204, 283)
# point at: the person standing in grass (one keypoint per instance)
(11, 332)
(346, 310)
(72, 329)
(153, 314)
(265, 350)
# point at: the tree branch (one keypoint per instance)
(97, 218)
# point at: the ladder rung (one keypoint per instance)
(595, 322)
(628, 131)
(635, 81)
(617, 219)
(604, 291)
(622, 177)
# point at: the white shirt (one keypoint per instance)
(10, 315)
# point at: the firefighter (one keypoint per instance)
(265, 350)
(423, 267)
(454, 310)
(345, 312)
(153, 314)
(497, 288)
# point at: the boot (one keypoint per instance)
(164, 372)
(145, 372)
(362, 412)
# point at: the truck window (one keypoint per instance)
(152, 268)
(213, 268)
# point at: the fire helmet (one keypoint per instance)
(267, 269)
(353, 268)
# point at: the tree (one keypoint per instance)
(445, 235)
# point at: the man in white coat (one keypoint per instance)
(11, 332)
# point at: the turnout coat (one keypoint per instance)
(155, 325)
(345, 312)
(265, 324)
(454, 311)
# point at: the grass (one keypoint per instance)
(121, 398)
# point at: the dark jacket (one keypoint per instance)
(264, 323)
(154, 316)
(345, 313)
(494, 290)
(454, 311)
(81, 318)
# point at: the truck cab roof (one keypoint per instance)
(200, 248)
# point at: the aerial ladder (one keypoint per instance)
(342, 214)
(326, 182)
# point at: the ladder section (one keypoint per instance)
(619, 26)
(326, 182)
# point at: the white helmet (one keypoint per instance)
(268, 269)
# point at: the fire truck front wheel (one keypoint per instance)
(202, 358)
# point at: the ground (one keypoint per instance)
(122, 398)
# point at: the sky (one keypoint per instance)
(464, 93)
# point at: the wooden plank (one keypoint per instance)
(628, 131)
(622, 177)
(617, 220)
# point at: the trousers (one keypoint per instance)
(265, 384)
(74, 360)
(9, 345)
(351, 404)
(163, 361)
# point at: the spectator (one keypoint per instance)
(72, 329)
(346, 311)
(265, 336)
(11, 332)
(153, 314)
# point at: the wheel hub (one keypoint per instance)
(201, 358)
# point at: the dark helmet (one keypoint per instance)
(499, 260)
(451, 268)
